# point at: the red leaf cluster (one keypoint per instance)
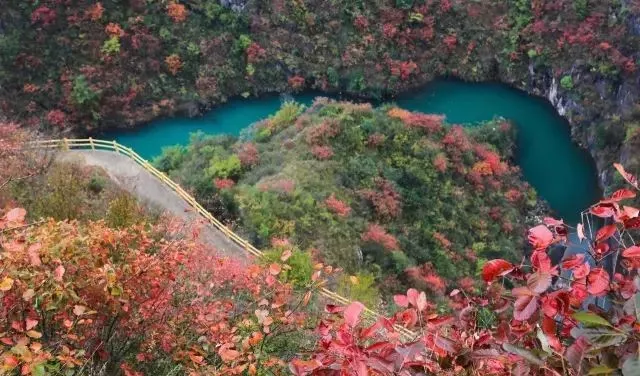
(385, 199)
(255, 53)
(322, 152)
(296, 82)
(377, 234)
(248, 154)
(339, 208)
(56, 118)
(222, 184)
(43, 15)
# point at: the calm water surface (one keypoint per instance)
(561, 172)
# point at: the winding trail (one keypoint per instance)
(133, 178)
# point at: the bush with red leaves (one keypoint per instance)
(377, 234)
(339, 208)
(322, 152)
(43, 15)
(385, 199)
(296, 82)
(248, 154)
(56, 118)
(547, 324)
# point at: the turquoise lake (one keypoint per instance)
(561, 172)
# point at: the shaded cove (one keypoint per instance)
(561, 172)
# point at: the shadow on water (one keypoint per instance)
(559, 170)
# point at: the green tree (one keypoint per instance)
(224, 167)
(566, 82)
(82, 94)
(111, 46)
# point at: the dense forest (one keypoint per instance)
(428, 223)
(87, 65)
(114, 289)
(388, 192)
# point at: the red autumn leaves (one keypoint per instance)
(588, 278)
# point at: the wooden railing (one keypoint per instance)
(93, 144)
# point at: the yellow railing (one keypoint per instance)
(93, 144)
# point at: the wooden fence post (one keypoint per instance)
(93, 147)
(115, 147)
(66, 144)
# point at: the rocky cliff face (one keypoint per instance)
(592, 102)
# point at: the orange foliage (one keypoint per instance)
(177, 12)
(296, 82)
(108, 290)
(173, 63)
(94, 12)
(429, 122)
(114, 30)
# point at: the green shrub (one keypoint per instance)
(123, 212)
(581, 8)
(97, 183)
(566, 82)
(404, 4)
(64, 195)
(360, 287)
(111, 46)
(300, 263)
(82, 94)
(287, 114)
(485, 318)
(221, 167)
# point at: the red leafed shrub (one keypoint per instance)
(385, 199)
(322, 152)
(389, 30)
(402, 69)
(375, 140)
(43, 15)
(56, 118)
(339, 208)
(113, 29)
(129, 299)
(442, 239)
(425, 277)
(451, 41)
(513, 195)
(428, 122)
(492, 160)
(540, 327)
(17, 161)
(377, 234)
(30, 88)
(223, 183)
(248, 154)
(296, 82)
(445, 6)
(456, 139)
(255, 53)
(322, 133)
(361, 22)
(177, 12)
(286, 186)
(440, 162)
(94, 12)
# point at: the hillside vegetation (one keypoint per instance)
(398, 194)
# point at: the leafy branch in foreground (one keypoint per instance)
(579, 317)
